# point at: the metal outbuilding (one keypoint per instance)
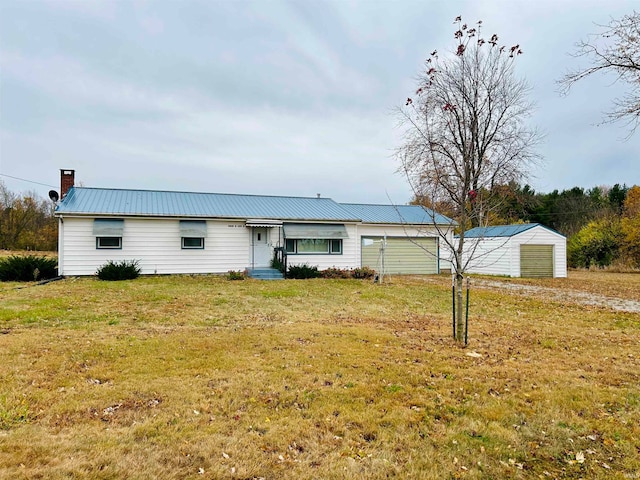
(521, 250)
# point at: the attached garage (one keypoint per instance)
(401, 255)
(523, 250)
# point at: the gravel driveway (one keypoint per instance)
(564, 295)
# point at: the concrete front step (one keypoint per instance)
(264, 274)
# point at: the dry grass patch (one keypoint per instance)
(198, 377)
(9, 253)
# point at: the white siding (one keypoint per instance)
(501, 255)
(489, 256)
(156, 244)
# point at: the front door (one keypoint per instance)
(261, 248)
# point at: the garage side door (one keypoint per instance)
(403, 255)
(536, 260)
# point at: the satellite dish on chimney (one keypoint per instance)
(53, 195)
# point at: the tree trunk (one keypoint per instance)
(460, 310)
(460, 324)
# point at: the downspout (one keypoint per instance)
(358, 247)
(285, 258)
(60, 247)
(438, 255)
(253, 248)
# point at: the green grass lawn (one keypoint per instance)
(200, 377)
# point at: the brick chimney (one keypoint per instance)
(67, 179)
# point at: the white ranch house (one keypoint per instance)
(521, 250)
(183, 232)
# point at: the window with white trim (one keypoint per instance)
(108, 233)
(109, 243)
(192, 234)
(192, 243)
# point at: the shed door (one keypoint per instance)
(402, 255)
(536, 261)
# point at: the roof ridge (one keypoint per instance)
(501, 230)
(378, 204)
(528, 224)
(203, 193)
(120, 201)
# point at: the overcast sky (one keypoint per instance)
(277, 98)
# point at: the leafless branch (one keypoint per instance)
(615, 49)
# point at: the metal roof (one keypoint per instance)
(116, 202)
(154, 203)
(404, 214)
(502, 230)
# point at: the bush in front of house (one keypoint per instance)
(124, 270)
(305, 271)
(234, 275)
(363, 273)
(301, 272)
(28, 268)
(277, 263)
(334, 272)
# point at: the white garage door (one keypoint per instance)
(402, 255)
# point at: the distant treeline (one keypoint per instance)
(566, 212)
(26, 222)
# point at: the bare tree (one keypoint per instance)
(615, 49)
(26, 221)
(465, 132)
